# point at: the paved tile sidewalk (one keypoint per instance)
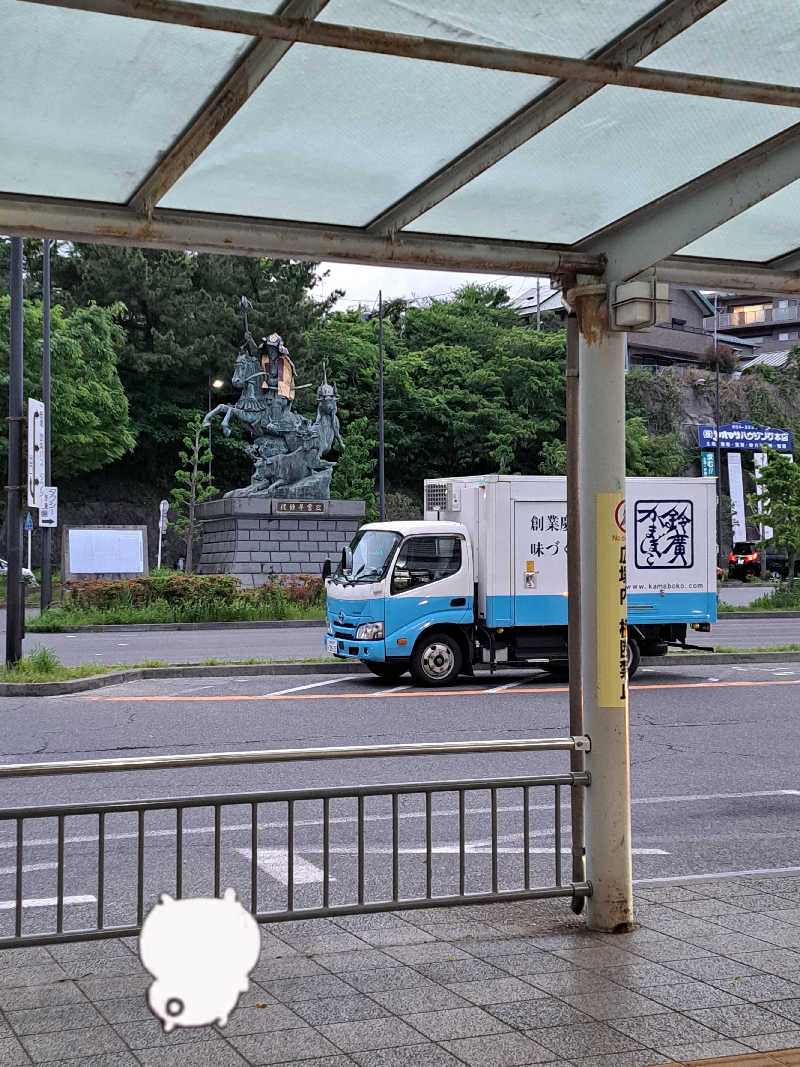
(711, 972)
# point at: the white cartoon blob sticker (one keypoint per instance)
(200, 952)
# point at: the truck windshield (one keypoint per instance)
(372, 551)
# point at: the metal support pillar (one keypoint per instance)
(576, 759)
(15, 597)
(602, 551)
(47, 532)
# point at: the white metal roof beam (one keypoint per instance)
(76, 220)
(436, 50)
(631, 46)
(219, 109)
(661, 228)
(727, 274)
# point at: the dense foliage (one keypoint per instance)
(139, 335)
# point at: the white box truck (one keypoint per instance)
(483, 577)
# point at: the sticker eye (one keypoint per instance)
(174, 1006)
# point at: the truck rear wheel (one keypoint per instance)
(436, 660)
(387, 671)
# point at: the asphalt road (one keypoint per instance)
(197, 646)
(714, 780)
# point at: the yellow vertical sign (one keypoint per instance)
(612, 613)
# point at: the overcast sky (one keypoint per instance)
(361, 284)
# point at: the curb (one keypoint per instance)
(234, 670)
(754, 616)
(145, 627)
(134, 674)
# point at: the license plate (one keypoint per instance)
(740, 559)
(330, 645)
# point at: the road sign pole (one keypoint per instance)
(602, 550)
(47, 533)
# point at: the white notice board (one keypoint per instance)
(103, 551)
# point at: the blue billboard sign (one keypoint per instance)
(745, 437)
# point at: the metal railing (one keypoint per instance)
(108, 862)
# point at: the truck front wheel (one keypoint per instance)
(436, 660)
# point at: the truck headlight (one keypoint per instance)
(329, 627)
(369, 631)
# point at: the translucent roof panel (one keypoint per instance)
(89, 102)
(617, 151)
(568, 28)
(757, 40)
(336, 136)
(767, 230)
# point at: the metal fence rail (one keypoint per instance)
(109, 862)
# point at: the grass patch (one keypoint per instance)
(43, 665)
(780, 598)
(771, 648)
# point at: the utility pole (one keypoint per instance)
(381, 482)
(15, 598)
(47, 533)
(538, 308)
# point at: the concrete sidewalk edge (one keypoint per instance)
(222, 670)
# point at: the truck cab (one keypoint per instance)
(402, 598)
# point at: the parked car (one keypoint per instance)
(745, 559)
(28, 577)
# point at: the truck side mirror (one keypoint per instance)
(347, 560)
(326, 570)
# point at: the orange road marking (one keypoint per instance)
(436, 692)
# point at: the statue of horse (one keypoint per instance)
(287, 448)
(252, 406)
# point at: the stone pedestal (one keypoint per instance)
(254, 538)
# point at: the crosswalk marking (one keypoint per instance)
(275, 862)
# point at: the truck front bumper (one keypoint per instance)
(349, 648)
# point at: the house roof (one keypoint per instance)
(767, 359)
(521, 138)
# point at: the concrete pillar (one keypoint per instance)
(604, 682)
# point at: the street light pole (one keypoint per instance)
(209, 424)
(381, 482)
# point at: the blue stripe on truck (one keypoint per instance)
(542, 610)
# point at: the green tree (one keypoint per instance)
(553, 458)
(181, 326)
(354, 477)
(780, 504)
(195, 484)
(652, 456)
(90, 422)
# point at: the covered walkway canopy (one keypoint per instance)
(526, 137)
(595, 141)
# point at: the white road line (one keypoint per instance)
(30, 867)
(45, 902)
(509, 685)
(275, 862)
(676, 878)
(311, 685)
(396, 689)
(78, 839)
